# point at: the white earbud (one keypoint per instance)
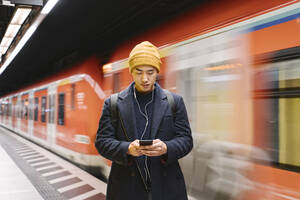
(144, 131)
(146, 114)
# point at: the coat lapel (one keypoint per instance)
(160, 107)
(125, 105)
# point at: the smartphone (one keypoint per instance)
(146, 142)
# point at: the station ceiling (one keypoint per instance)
(75, 29)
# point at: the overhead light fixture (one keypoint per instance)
(22, 2)
(6, 3)
(3, 49)
(12, 30)
(14, 26)
(46, 9)
(6, 41)
(20, 15)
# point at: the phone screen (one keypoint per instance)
(146, 142)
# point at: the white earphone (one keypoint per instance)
(144, 131)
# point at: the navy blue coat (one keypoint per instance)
(167, 179)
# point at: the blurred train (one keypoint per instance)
(237, 66)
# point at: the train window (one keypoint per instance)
(26, 109)
(277, 101)
(51, 108)
(18, 109)
(116, 82)
(22, 109)
(43, 109)
(9, 109)
(61, 109)
(3, 109)
(6, 110)
(30, 109)
(73, 96)
(49, 113)
(36, 108)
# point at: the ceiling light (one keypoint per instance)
(20, 15)
(6, 41)
(14, 26)
(7, 3)
(3, 50)
(12, 30)
(48, 7)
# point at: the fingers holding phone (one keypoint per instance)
(133, 149)
(145, 142)
(152, 148)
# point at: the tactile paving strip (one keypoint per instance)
(43, 187)
(51, 180)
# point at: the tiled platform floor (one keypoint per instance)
(14, 185)
(28, 171)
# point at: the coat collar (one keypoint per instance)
(160, 107)
(125, 105)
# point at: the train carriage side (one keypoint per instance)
(77, 115)
(275, 50)
(217, 88)
(61, 113)
(229, 128)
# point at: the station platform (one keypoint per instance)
(29, 171)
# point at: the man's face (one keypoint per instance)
(144, 77)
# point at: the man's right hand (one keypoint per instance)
(133, 148)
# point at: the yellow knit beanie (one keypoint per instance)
(144, 53)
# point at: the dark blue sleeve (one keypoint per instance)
(182, 143)
(106, 141)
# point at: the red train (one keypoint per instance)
(237, 65)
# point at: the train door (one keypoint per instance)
(5, 102)
(30, 110)
(40, 117)
(1, 110)
(14, 112)
(9, 112)
(18, 110)
(51, 127)
(63, 137)
(71, 126)
(24, 113)
(9, 123)
(3, 113)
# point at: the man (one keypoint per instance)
(151, 171)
